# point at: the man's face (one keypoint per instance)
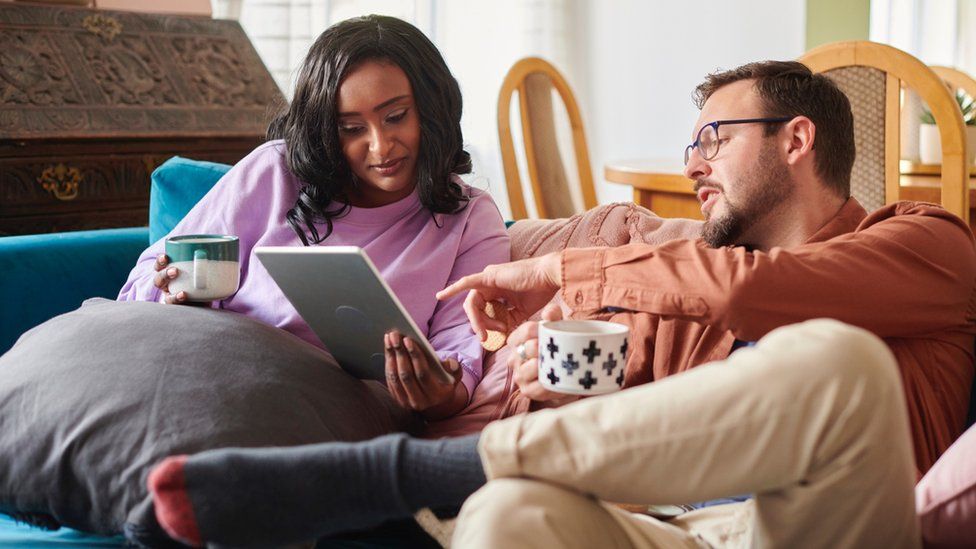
(748, 177)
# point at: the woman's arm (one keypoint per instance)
(248, 201)
(484, 242)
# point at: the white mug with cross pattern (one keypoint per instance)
(582, 357)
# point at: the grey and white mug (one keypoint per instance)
(209, 265)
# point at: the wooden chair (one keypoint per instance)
(535, 79)
(872, 75)
(956, 79)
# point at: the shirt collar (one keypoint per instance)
(847, 218)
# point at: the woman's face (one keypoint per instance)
(379, 132)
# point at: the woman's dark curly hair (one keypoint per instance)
(309, 126)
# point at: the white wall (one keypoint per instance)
(642, 60)
(480, 41)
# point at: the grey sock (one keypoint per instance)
(271, 496)
(440, 473)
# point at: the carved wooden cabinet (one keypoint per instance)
(92, 101)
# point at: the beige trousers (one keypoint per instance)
(811, 420)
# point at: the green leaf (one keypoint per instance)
(966, 104)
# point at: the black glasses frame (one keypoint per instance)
(715, 125)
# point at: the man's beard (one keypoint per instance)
(767, 185)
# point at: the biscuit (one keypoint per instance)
(496, 340)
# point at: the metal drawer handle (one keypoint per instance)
(104, 26)
(61, 181)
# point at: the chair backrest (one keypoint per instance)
(535, 79)
(956, 79)
(872, 75)
(959, 81)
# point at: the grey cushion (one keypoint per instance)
(91, 400)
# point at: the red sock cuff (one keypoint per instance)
(167, 482)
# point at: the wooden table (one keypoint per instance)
(660, 186)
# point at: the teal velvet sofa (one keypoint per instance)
(45, 275)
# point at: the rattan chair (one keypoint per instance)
(535, 79)
(872, 75)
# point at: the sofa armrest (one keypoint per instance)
(44, 275)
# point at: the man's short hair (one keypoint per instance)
(789, 88)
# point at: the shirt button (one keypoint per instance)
(579, 298)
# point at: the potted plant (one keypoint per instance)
(929, 144)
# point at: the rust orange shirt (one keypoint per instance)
(907, 273)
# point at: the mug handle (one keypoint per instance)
(199, 273)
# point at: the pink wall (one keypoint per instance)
(184, 7)
(187, 7)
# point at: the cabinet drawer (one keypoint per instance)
(61, 185)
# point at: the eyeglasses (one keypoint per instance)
(707, 140)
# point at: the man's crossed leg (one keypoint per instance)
(812, 420)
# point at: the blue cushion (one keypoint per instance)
(177, 185)
(27, 537)
(45, 275)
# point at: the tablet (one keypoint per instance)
(344, 300)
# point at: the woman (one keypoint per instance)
(367, 155)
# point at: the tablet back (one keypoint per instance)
(340, 294)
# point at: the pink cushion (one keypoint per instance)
(605, 225)
(945, 498)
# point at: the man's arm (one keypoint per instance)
(908, 274)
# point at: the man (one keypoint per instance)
(797, 421)
(783, 242)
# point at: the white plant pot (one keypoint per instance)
(930, 144)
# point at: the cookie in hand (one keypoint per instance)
(496, 340)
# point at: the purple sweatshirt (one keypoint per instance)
(415, 256)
